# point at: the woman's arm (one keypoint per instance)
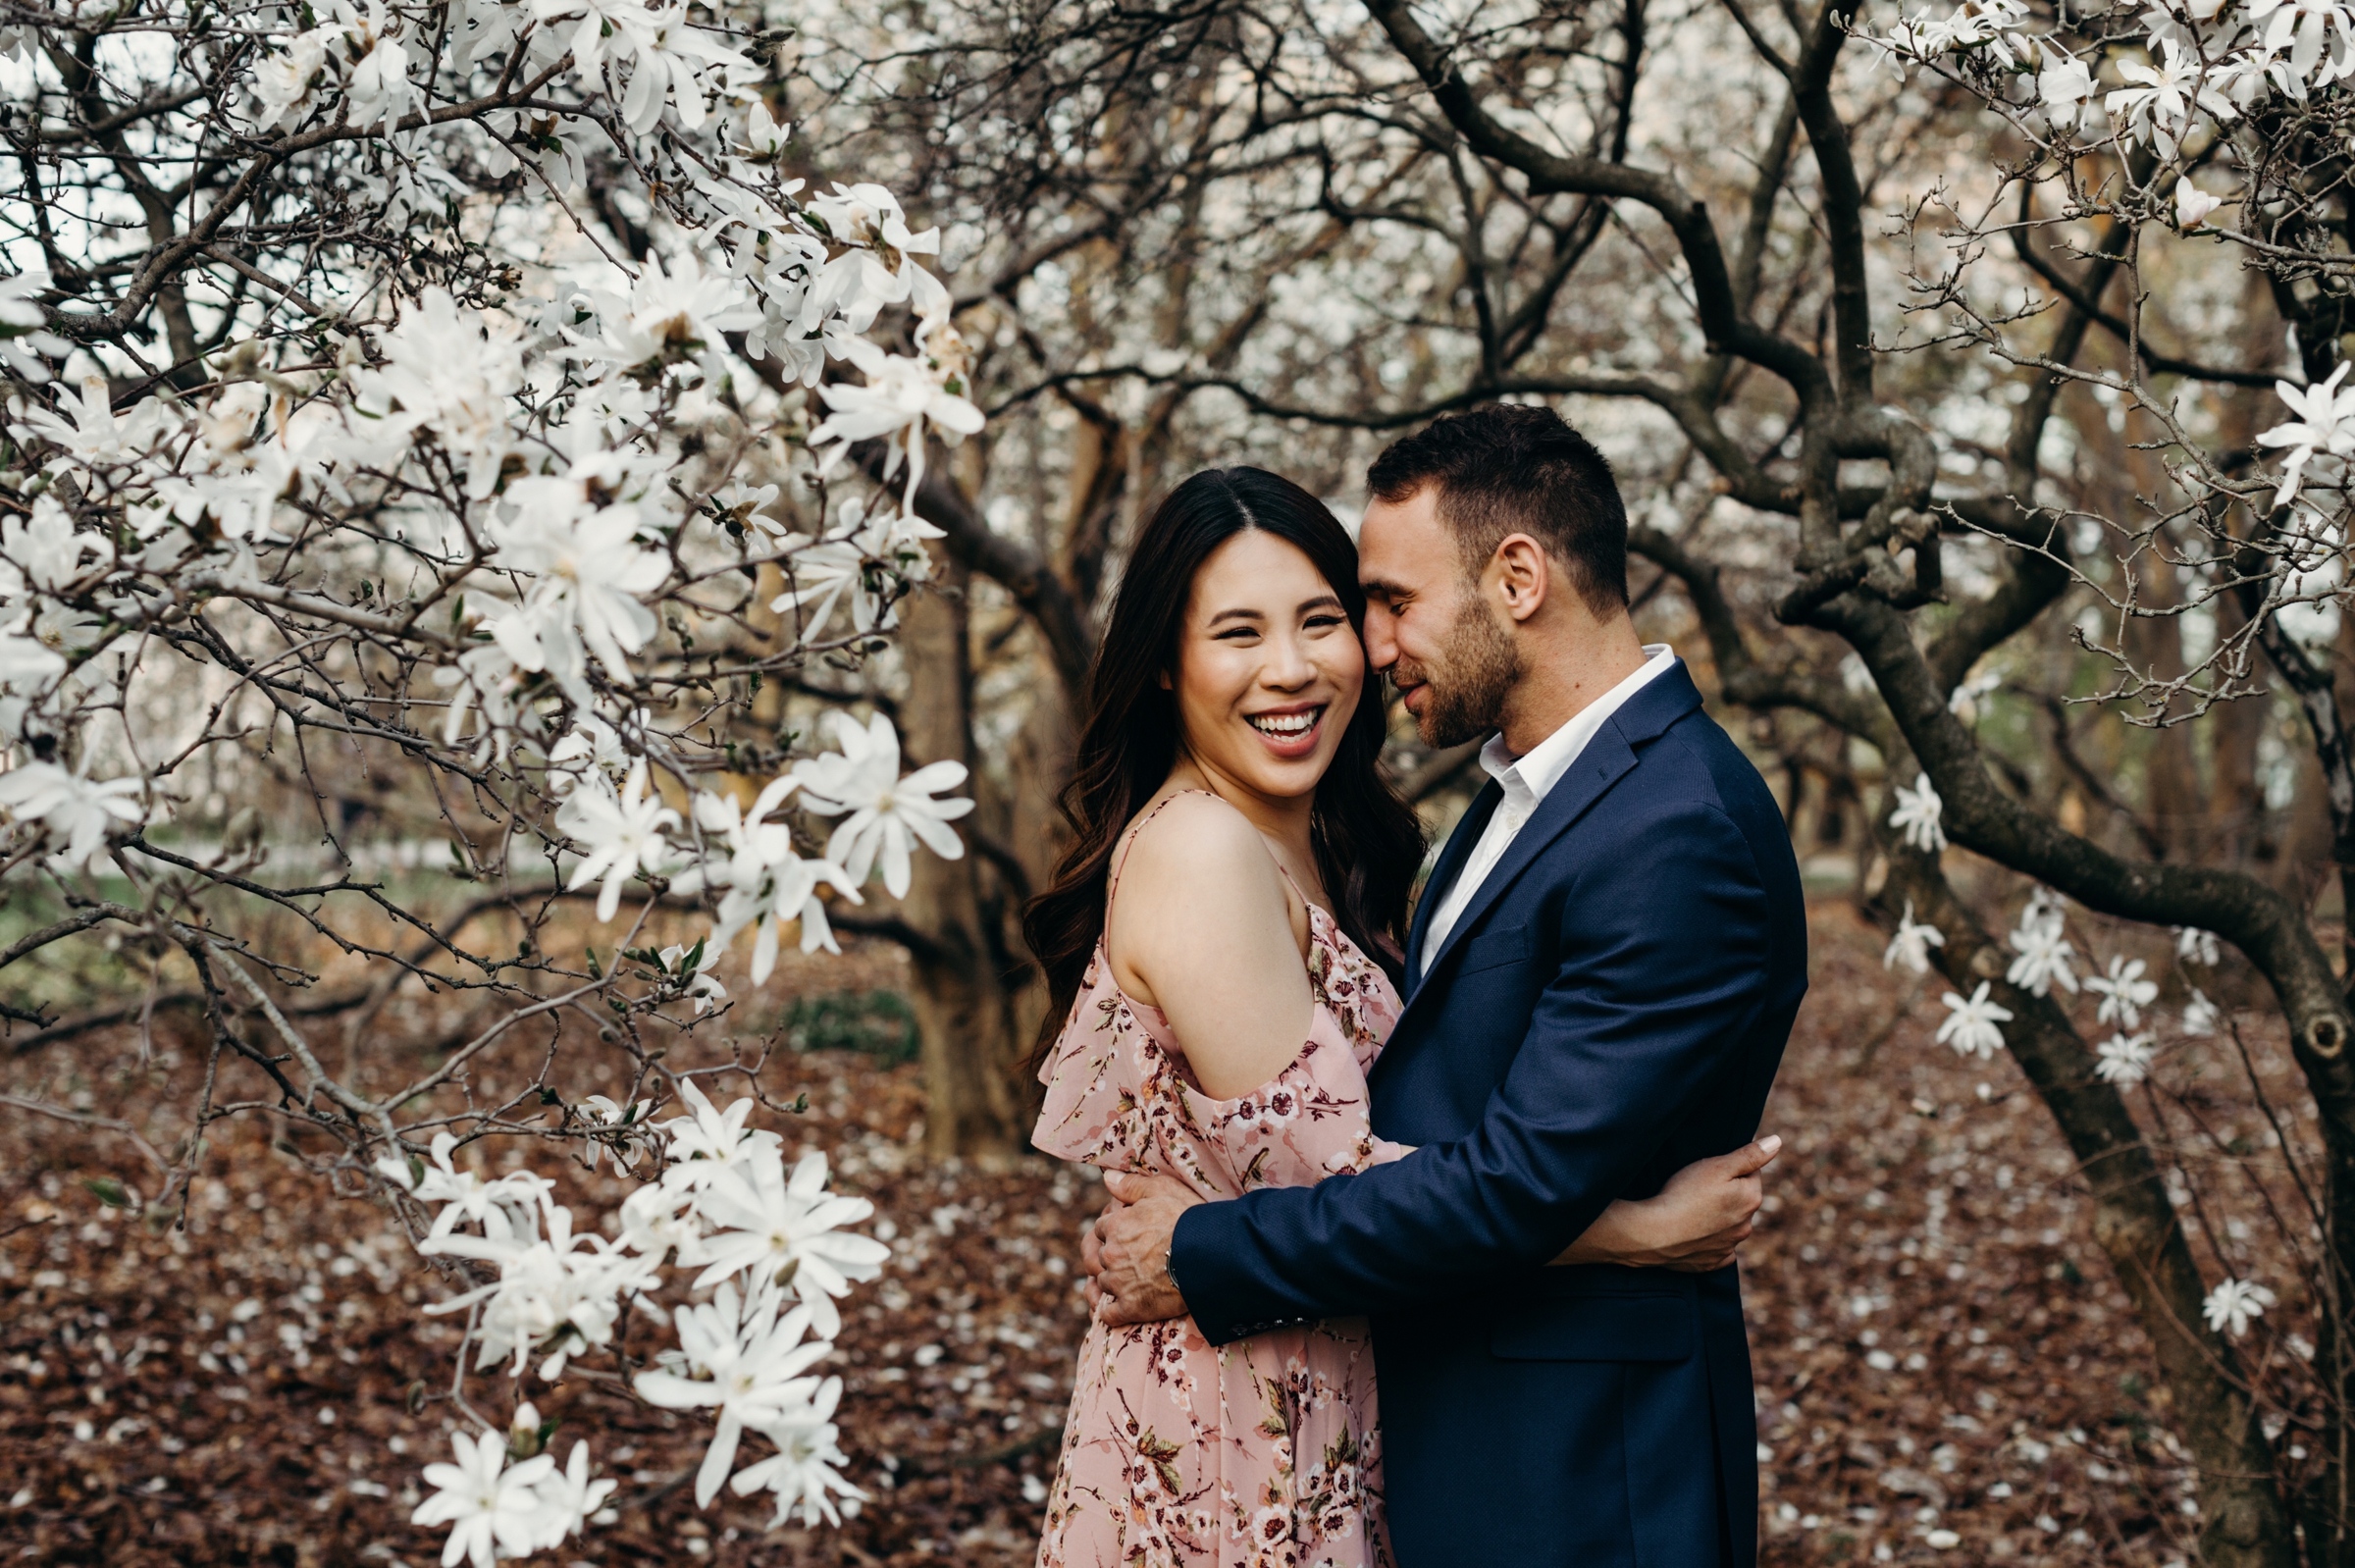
(1705, 1212)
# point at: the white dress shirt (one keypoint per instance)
(1526, 781)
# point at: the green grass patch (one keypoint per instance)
(876, 1024)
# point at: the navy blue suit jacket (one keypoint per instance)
(1611, 1006)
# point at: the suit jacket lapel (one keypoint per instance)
(1608, 755)
(1452, 855)
(1597, 767)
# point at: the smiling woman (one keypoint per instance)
(1239, 857)
(1233, 651)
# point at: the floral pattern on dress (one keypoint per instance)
(1266, 1452)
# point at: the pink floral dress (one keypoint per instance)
(1263, 1453)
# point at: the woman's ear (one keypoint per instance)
(1163, 678)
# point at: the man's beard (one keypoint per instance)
(1464, 690)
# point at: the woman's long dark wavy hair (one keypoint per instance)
(1368, 841)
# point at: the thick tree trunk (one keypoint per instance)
(972, 1041)
(2247, 1520)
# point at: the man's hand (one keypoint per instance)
(1127, 1248)
(1704, 1213)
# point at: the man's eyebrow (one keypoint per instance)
(1380, 585)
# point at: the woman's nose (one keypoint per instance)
(1288, 665)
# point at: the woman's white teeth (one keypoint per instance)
(1285, 724)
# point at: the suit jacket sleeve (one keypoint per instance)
(1657, 977)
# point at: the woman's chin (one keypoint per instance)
(1277, 777)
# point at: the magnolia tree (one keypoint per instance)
(429, 392)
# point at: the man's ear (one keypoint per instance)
(1520, 572)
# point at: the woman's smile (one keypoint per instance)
(1289, 732)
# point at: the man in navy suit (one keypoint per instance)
(1600, 977)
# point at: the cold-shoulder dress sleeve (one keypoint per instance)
(1121, 1097)
(1267, 1450)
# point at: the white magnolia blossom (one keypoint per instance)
(623, 832)
(855, 560)
(803, 1473)
(2326, 426)
(2230, 1306)
(2192, 204)
(903, 398)
(2195, 946)
(2160, 99)
(1971, 1023)
(786, 1233)
(769, 885)
(76, 814)
(2066, 89)
(2201, 1015)
(887, 813)
(497, 1508)
(2124, 993)
(1917, 815)
(592, 743)
(466, 1198)
(622, 1131)
(693, 973)
(22, 340)
(737, 1357)
(1911, 943)
(492, 1507)
(2045, 954)
(1964, 701)
(2124, 1060)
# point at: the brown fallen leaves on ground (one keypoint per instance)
(1946, 1371)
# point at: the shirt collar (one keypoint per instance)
(1529, 778)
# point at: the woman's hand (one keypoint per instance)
(1705, 1212)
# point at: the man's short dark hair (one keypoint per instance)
(1506, 468)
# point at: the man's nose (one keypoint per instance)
(1382, 639)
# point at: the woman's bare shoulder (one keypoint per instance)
(1202, 927)
(1199, 855)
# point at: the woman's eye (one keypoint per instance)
(1319, 621)
(1236, 635)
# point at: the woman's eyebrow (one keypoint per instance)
(1320, 601)
(1237, 615)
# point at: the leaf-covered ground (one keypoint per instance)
(1939, 1345)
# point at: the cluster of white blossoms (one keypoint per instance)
(773, 1254)
(2045, 959)
(496, 508)
(771, 886)
(523, 513)
(2182, 85)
